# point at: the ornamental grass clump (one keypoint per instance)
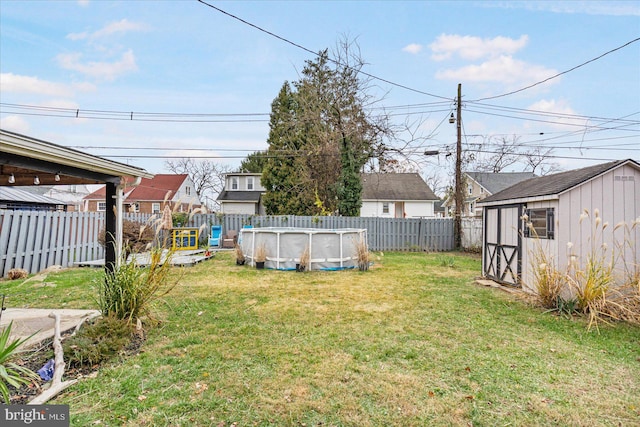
(362, 254)
(549, 282)
(129, 292)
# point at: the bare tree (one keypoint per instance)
(501, 155)
(538, 160)
(207, 176)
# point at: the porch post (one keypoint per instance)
(110, 229)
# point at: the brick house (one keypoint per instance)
(151, 195)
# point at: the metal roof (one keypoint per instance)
(13, 194)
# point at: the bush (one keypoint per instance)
(98, 342)
(136, 237)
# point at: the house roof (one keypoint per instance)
(15, 194)
(495, 182)
(239, 196)
(161, 187)
(555, 184)
(155, 189)
(395, 186)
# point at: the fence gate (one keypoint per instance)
(502, 252)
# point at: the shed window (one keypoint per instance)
(542, 222)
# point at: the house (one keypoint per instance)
(396, 195)
(241, 194)
(478, 185)
(151, 195)
(21, 199)
(561, 209)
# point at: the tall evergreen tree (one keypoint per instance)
(320, 138)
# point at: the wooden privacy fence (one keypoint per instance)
(383, 234)
(35, 240)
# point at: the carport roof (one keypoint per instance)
(25, 157)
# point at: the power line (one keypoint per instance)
(559, 74)
(315, 53)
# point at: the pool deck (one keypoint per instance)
(186, 258)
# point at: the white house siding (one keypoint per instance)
(411, 209)
(238, 208)
(616, 197)
(182, 196)
(419, 209)
(531, 246)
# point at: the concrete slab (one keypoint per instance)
(28, 321)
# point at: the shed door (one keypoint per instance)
(503, 244)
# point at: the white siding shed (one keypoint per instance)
(555, 205)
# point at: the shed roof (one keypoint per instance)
(555, 184)
(395, 186)
(495, 182)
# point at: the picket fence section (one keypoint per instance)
(35, 240)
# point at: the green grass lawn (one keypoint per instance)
(412, 342)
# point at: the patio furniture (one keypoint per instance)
(216, 231)
(230, 239)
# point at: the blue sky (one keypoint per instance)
(183, 57)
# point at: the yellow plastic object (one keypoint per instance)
(183, 239)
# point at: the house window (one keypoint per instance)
(155, 208)
(542, 223)
(234, 183)
(187, 191)
(471, 208)
(249, 183)
(102, 206)
(470, 189)
(385, 207)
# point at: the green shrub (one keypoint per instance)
(98, 342)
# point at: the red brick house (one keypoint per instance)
(151, 195)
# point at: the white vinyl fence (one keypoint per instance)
(35, 240)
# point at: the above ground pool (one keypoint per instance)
(284, 246)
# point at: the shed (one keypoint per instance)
(554, 205)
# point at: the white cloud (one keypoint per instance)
(26, 84)
(412, 48)
(122, 26)
(99, 70)
(15, 124)
(504, 69)
(590, 7)
(562, 110)
(473, 48)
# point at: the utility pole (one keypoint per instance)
(458, 197)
